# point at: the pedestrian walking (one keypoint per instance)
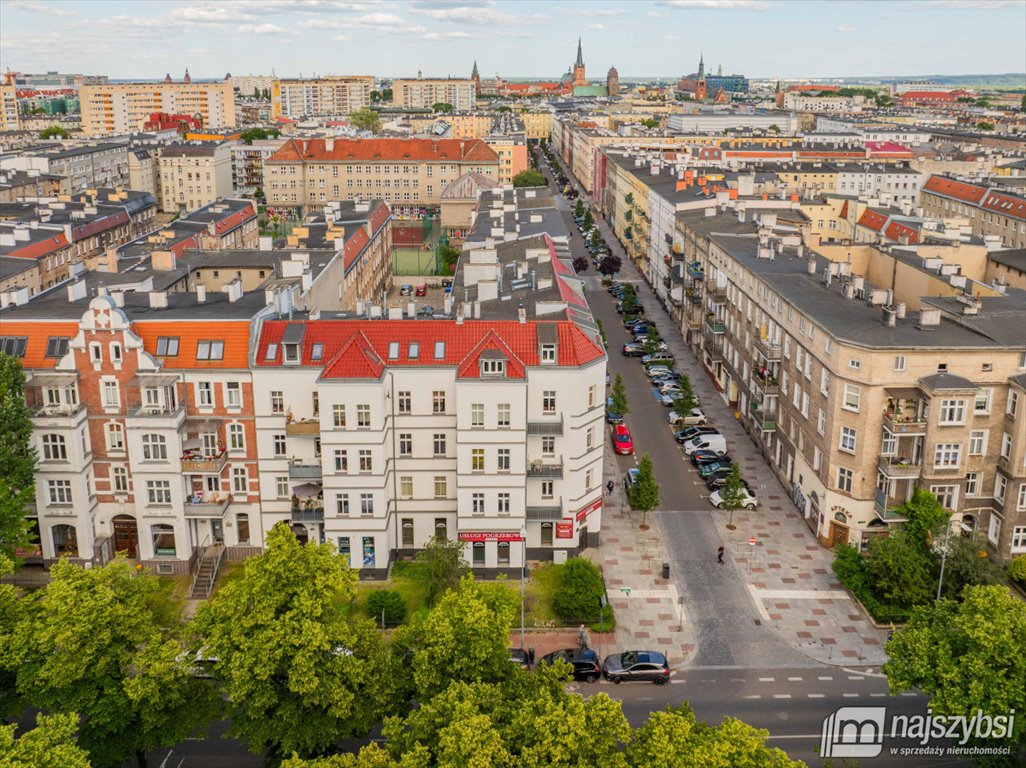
(719, 555)
(530, 656)
(609, 488)
(582, 637)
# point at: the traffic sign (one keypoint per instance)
(751, 541)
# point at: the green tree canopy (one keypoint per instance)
(644, 495)
(17, 457)
(297, 673)
(652, 340)
(529, 178)
(685, 401)
(580, 588)
(258, 133)
(442, 107)
(51, 744)
(365, 120)
(618, 392)
(54, 131)
(441, 565)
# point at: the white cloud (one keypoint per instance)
(378, 20)
(267, 29)
(480, 14)
(845, 28)
(34, 6)
(342, 38)
(973, 5)
(597, 26)
(696, 5)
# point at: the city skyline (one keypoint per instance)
(523, 39)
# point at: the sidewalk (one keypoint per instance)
(787, 571)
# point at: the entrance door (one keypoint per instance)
(126, 535)
(217, 531)
(838, 534)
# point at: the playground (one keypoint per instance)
(415, 247)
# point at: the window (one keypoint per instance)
(502, 548)
(366, 460)
(240, 480)
(478, 554)
(591, 396)
(342, 504)
(158, 491)
(406, 486)
(546, 534)
(589, 479)
(441, 487)
(59, 491)
(154, 448)
(972, 484)
(54, 448)
(236, 438)
(503, 503)
(1006, 445)
(947, 454)
(824, 382)
(441, 529)
(413, 350)
(111, 394)
(115, 353)
(952, 412)
(167, 346)
(407, 528)
(549, 401)
(393, 350)
(95, 353)
(548, 354)
(205, 394)
(844, 479)
(503, 417)
(363, 419)
(56, 346)
(477, 414)
(210, 350)
(291, 353)
(947, 495)
(477, 460)
(994, 530)
(338, 415)
(855, 364)
(115, 437)
(547, 488)
(982, 402)
(504, 459)
(343, 547)
(1012, 407)
(1020, 503)
(278, 441)
(277, 401)
(119, 479)
(281, 487)
(477, 503)
(439, 443)
(977, 442)
(492, 367)
(889, 445)
(852, 397)
(271, 352)
(163, 540)
(405, 444)
(848, 437)
(317, 351)
(14, 346)
(341, 461)
(233, 395)
(900, 363)
(548, 446)
(439, 350)
(438, 401)
(1019, 537)
(404, 401)
(366, 503)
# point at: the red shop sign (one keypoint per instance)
(565, 529)
(490, 536)
(585, 511)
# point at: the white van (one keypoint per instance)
(716, 443)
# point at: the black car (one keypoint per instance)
(584, 661)
(633, 350)
(717, 481)
(649, 666)
(698, 458)
(519, 657)
(715, 467)
(683, 435)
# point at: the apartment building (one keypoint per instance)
(340, 95)
(222, 225)
(46, 249)
(248, 164)
(10, 117)
(82, 167)
(423, 93)
(466, 125)
(537, 124)
(408, 174)
(115, 109)
(18, 276)
(16, 185)
(144, 173)
(862, 373)
(991, 211)
(194, 175)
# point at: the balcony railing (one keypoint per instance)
(545, 470)
(207, 505)
(714, 325)
(301, 471)
(904, 423)
(305, 427)
(545, 513)
(718, 293)
(308, 515)
(767, 422)
(59, 412)
(886, 509)
(211, 464)
(149, 411)
(769, 349)
(766, 382)
(545, 427)
(899, 469)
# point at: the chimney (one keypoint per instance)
(234, 290)
(929, 318)
(521, 315)
(119, 298)
(201, 293)
(163, 260)
(158, 299)
(329, 145)
(811, 269)
(899, 310)
(460, 313)
(77, 290)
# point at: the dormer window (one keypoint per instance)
(393, 350)
(493, 367)
(56, 346)
(317, 352)
(413, 351)
(291, 353)
(167, 346)
(548, 354)
(210, 350)
(272, 352)
(439, 350)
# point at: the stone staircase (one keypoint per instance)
(206, 572)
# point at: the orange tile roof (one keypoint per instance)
(959, 190)
(299, 150)
(234, 333)
(872, 220)
(40, 248)
(896, 230)
(37, 332)
(1005, 204)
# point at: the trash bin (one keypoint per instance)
(666, 570)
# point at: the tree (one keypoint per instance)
(54, 131)
(375, 96)
(629, 304)
(967, 564)
(580, 264)
(610, 265)
(51, 744)
(529, 178)
(1017, 569)
(386, 94)
(253, 134)
(983, 125)
(966, 657)
(652, 340)
(900, 570)
(504, 108)
(619, 403)
(441, 565)
(388, 606)
(596, 239)
(732, 494)
(256, 92)
(365, 120)
(684, 401)
(99, 642)
(579, 207)
(650, 123)
(442, 106)
(644, 494)
(774, 128)
(17, 458)
(464, 638)
(258, 193)
(371, 756)
(267, 94)
(588, 221)
(297, 674)
(580, 587)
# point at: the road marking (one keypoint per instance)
(677, 682)
(817, 695)
(908, 694)
(800, 594)
(850, 695)
(856, 677)
(794, 679)
(826, 677)
(767, 679)
(758, 603)
(878, 695)
(754, 696)
(781, 695)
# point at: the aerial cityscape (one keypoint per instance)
(501, 384)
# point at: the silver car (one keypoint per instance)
(648, 666)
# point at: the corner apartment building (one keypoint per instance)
(194, 175)
(422, 93)
(862, 373)
(114, 109)
(10, 117)
(408, 174)
(103, 164)
(339, 95)
(991, 211)
(248, 164)
(16, 185)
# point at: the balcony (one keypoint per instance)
(211, 504)
(199, 463)
(714, 325)
(304, 427)
(886, 509)
(314, 514)
(899, 469)
(718, 293)
(695, 271)
(765, 382)
(901, 423)
(766, 421)
(906, 412)
(545, 427)
(158, 416)
(552, 513)
(302, 471)
(712, 344)
(67, 416)
(768, 349)
(537, 469)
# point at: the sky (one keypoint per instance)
(513, 38)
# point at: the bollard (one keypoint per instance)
(666, 570)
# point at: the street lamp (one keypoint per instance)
(523, 576)
(944, 559)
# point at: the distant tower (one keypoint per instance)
(719, 71)
(167, 78)
(187, 78)
(579, 76)
(228, 76)
(700, 83)
(476, 77)
(613, 82)
(701, 66)
(420, 75)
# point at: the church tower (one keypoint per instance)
(476, 77)
(612, 82)
(579, 76)
(700, 93)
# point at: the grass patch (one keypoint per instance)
(229, 572)
(403, 581)
(540, 591)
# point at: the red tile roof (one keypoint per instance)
(1005, 204)
(99, 225)
(37, 332)
(236, 219)
(41, 248)
(299, 150)
(872, 220)
(234, 334)
(470, 368)
(959, 190)
(359, 348)
(896, 231)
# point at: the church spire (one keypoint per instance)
(701, 66)
(580, 55)
(474, 72)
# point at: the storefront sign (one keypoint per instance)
(585, 511)
(565, 529)
(490, 536)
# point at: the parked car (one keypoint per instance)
(712, 467)
(690, 433)
(613, 418)
(696, 417)
(421, 290)
(717, 481)
(405, 290)
(584, 661)
(666, 400)
(623, 443)
(630, 479)
(519, 657)
(749, 502)
(648, 666)
(668, 387)
(659, 358)
(705, 442)
(655, 370)
(667, 378)
(633, 350)
(698, 458)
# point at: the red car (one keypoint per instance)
(422, 290)
(622, 441)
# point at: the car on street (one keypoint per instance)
(659, 358)
(715, 442)
(667, 400)
(585, 662)
(673, 377)
(711, 468)
(655, 370)
(405, 289)
(421, 290)
(696, 417)
(630, 478)
(748, 500)
(717, 481)
(669, 387)
(689, 433)
(519, 657)
(623, 443)
(698, 458)
(613, 417)
(646, 666)
(633, 350)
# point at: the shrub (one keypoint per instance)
(387, 602)
(580, 587)
(1017, 569)
(850, 569)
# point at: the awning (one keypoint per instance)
(52, 380)
(152, 380)
(308, 490)
(196, 426)
(905, 393)
(192, 444)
